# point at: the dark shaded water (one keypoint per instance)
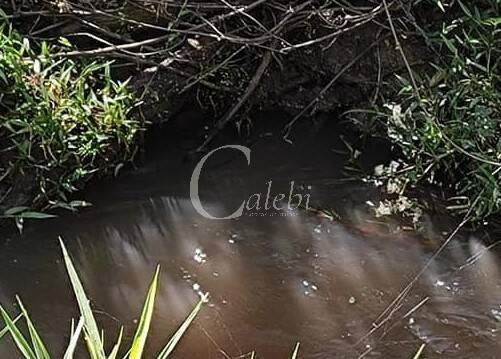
(273, 280)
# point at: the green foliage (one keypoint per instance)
(139, 341)
(61, 121)
(34, 348)
(449, 129)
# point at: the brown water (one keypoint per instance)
(273, 280)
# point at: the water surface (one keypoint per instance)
(273, 280)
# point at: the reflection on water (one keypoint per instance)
(273, 280)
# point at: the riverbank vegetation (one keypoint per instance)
(430, 68)
(61, 123)
(33, 347)
(447, 124)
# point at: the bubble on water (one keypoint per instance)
(186, 274)
(352, 300)
(196, 286)
(309, 285)
(411, 321)
(199, 256)
(496, 314)
(439, 283)
(317, 229)
(231, 241)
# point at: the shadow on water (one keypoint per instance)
(273, 279)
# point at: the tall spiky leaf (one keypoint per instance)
(295, 353)
(137, 347)
(21, 342)
(6, 329)
(70, 350)
(93, 338)
(38, 345)
(171, 345)
(114, 351)
(419, 352)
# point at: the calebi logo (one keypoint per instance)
(257, 204)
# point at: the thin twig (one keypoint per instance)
(113, 48)
(254, 82)
(211, 71)
(391, 308)
(288, 127)
(401, 50)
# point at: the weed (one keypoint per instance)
(34, 347)
(449, 130)
(61, 122)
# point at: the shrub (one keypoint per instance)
(449, 129)
(61, 121)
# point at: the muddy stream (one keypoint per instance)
(274, 277)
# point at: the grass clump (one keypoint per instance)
(449, 128)
(33, 347)
(61, 122)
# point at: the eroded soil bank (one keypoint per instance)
(210, 66)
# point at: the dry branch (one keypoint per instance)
(254, 82)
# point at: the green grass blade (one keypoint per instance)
(38, 345)
(137, 347)
(93, 338)
(6, 329)
(114, 352)
(171, 345)
(91, 349)
(70, 350)
(295, 353)
(419, 352)
(18, 337)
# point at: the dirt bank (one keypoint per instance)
(205, 66)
